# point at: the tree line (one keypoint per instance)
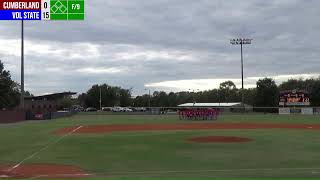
(265, 94)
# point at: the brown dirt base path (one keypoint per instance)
(42, 171)
(219, 139)
(185, 126)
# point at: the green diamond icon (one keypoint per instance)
(63, 9)
(54, 9)
(58, 4)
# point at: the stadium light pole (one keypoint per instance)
(22, 67)
(241, 42)
(100, 99)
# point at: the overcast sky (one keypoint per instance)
(167, 45)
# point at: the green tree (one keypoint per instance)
(172, 99)
(110, 96)
(267, 94)
(249, 96)
(160, 99)
(292, 84)
(27, 94)
(315, 93)
(9, 90)
(184, 97)
(228, 85)
(141, 101)
(309, 85)
(125, 97)
(66, 102)
(228, 92)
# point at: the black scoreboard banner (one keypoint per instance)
(294, 98)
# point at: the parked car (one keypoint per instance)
(117, 109)
(140, 109)
(91, 109)
(65, 109)
(126, 109)
(106, 109)
(77, 108)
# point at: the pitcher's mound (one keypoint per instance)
(219, 139)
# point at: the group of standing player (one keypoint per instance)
(199, 114)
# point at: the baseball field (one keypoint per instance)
(162, 146)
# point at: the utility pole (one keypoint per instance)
(241, 42)
(22, 68)
(100, 100)
(193, 98)
(149, 100)
(218, 96)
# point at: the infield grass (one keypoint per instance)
(166, 154)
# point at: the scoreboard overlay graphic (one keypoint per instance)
(42, 10)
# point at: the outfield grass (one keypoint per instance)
(273, 153)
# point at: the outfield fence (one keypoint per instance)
(12, 116)
(222, 110)
(16, 116)
(48, 115)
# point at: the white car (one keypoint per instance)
(126, 109)
(117, 109)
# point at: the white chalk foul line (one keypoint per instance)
(43, 148)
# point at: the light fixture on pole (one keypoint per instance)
(241, 42)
